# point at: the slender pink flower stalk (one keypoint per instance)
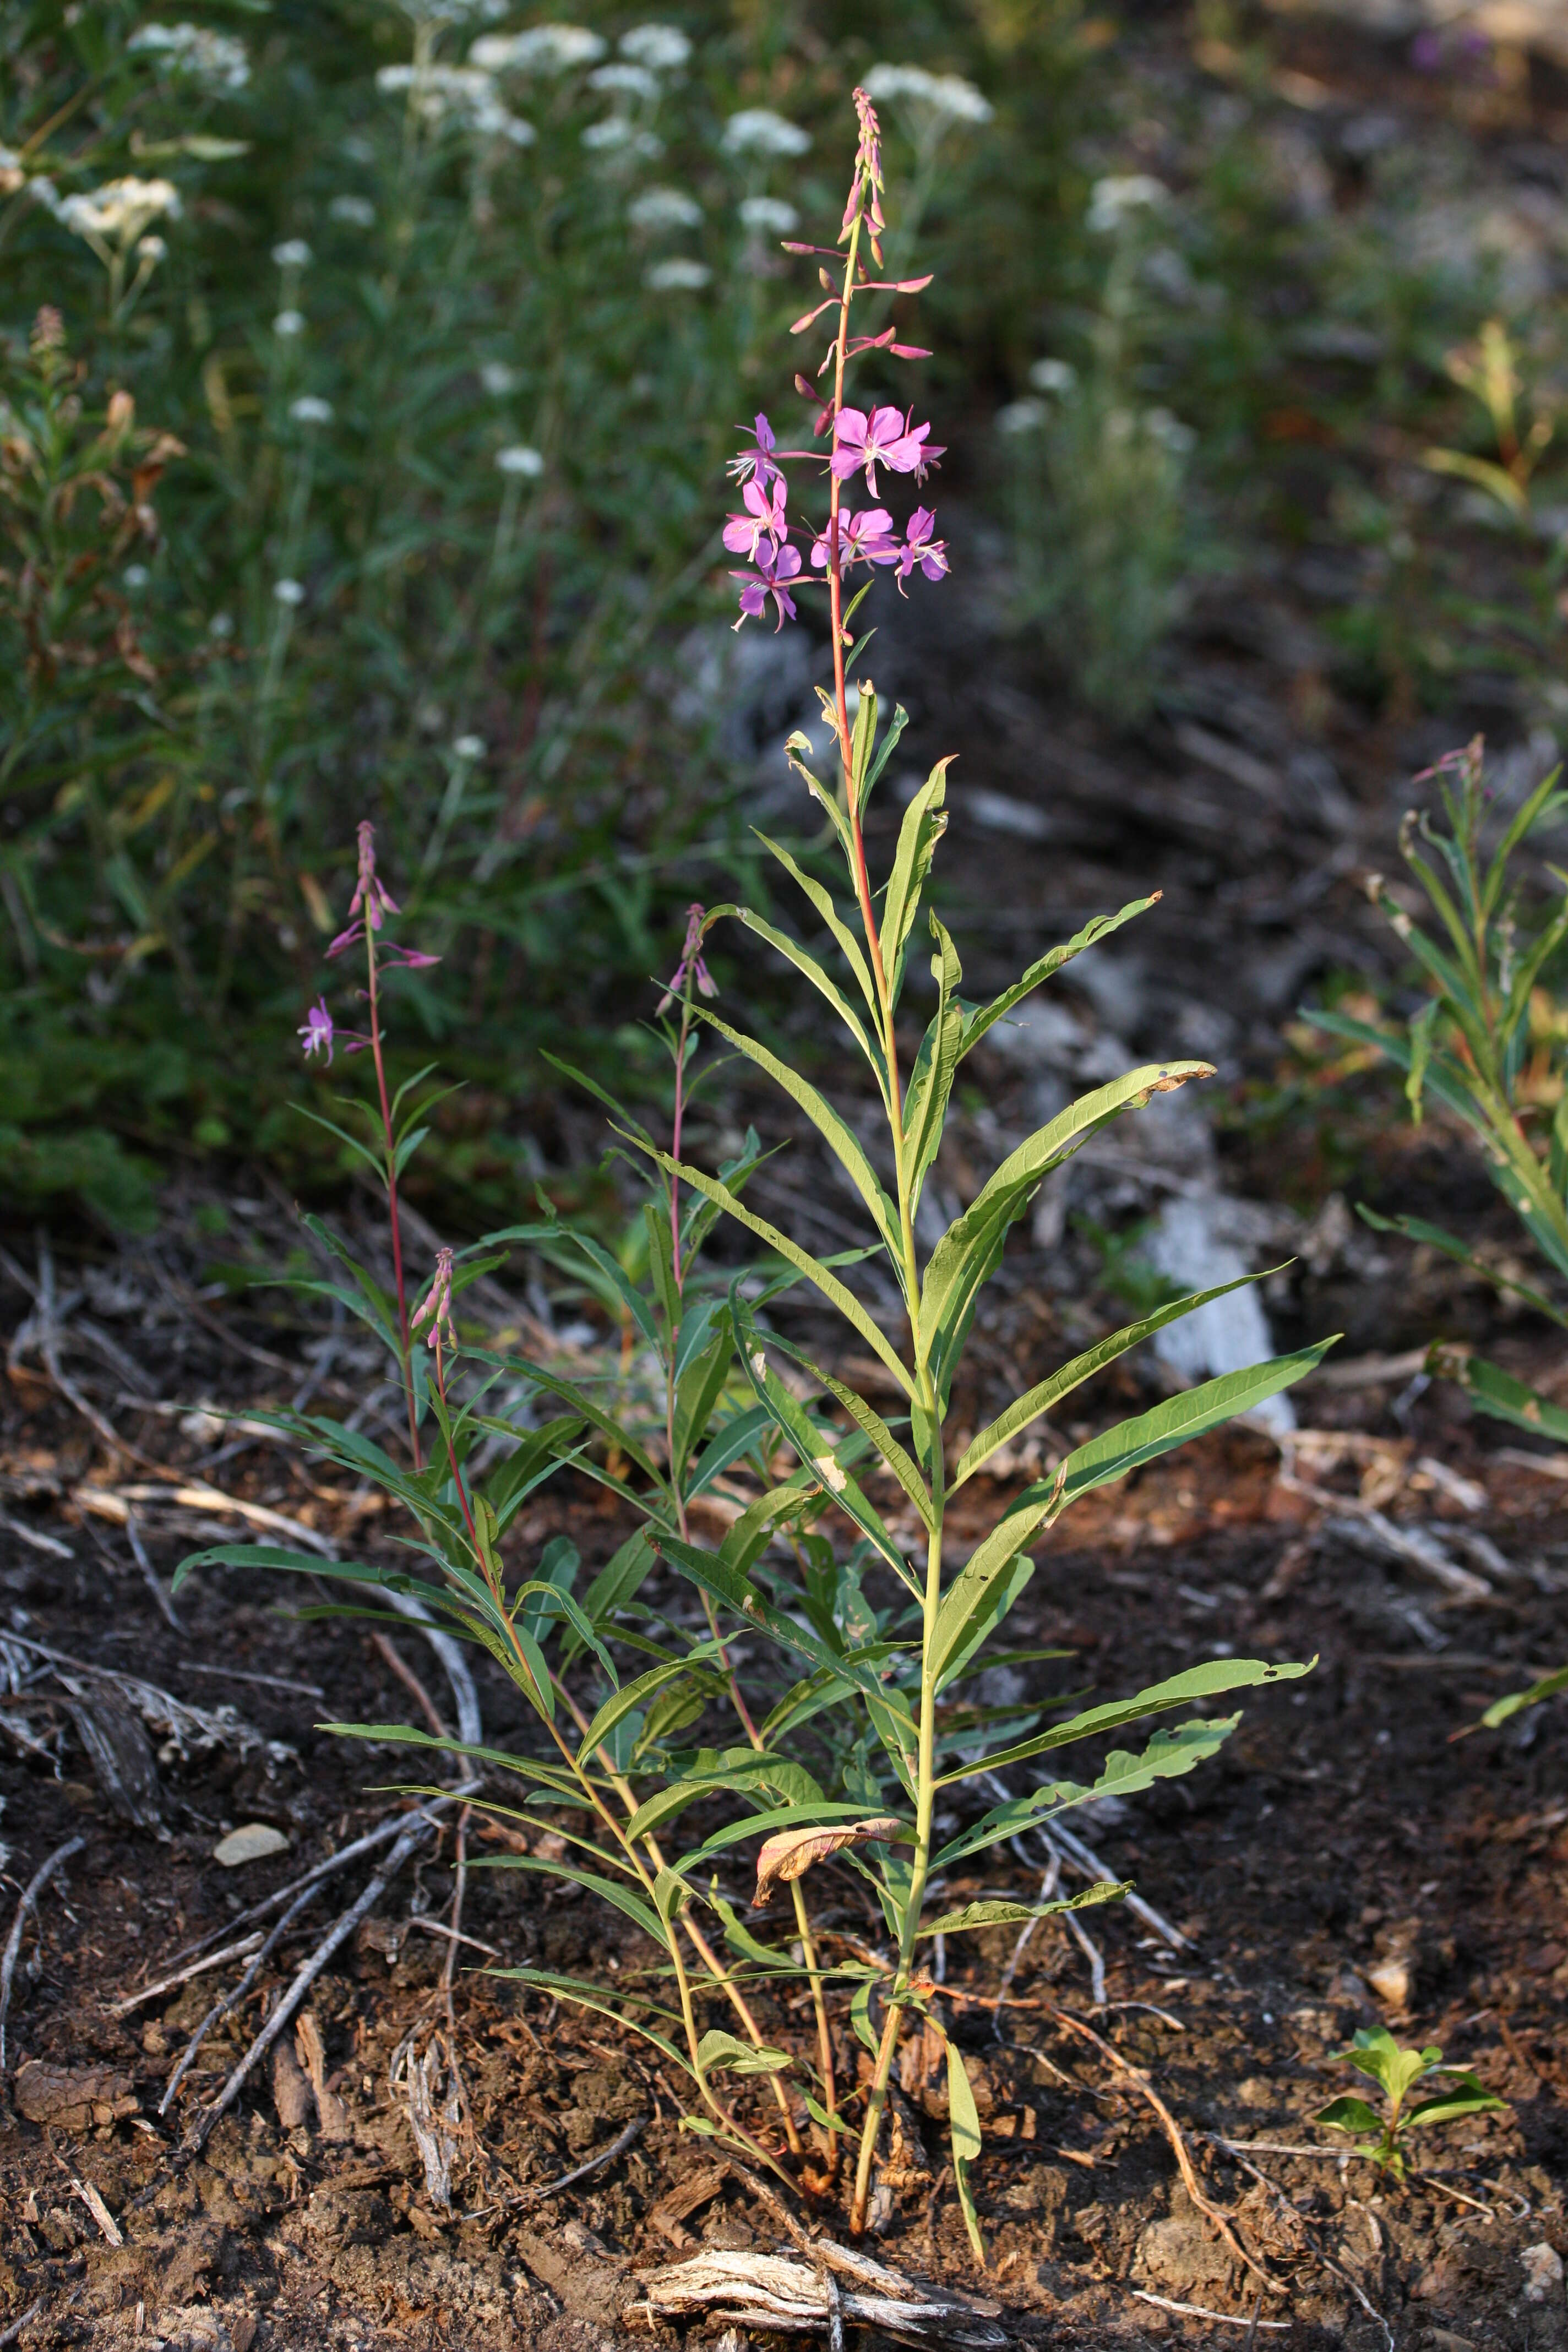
(368, 909)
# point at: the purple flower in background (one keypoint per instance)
(920, 548)
(757, 464)
(764, 518)
(317, 1031)
(775, 566)
(691, 961)
(863, 538)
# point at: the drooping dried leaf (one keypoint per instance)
(789, 1854)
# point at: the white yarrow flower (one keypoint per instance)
(217, 59)
(1053, 375)
(470, 747)
(135, 575)
(677, 277)
(358, 212)
(119, 209)
(758, 130)
(662, 47)
(288, 592)
(627, 80)
(288, 323)
(1021, 416)
(292, 254)
(658, 209)
(498, 378)
(311, 409)
(152, 250)
(543, 48)
(768, 216)
(617, 133)
(519, 458)
(1111, 201)
(947, 97)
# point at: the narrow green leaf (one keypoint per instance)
(633, 1694)
(1168, 1754)
(1213, 1679)
(851, 948)
(1417, 1229)
(1547, 1687)
(841, 1139)
(589, 1996)
(964, 2139)
(924, 823)
(868, 1419)
(817, 1449)
(722, 2053)
(1007, 1915)
(1180, 1418)
(828, 1282)
(1498, 1394)
(990, 1608)
(619, 1897)
(403, 1735)
(1100, 927)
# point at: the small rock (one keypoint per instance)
(71, 2097)
(1542, 2273)
(1443, 2339)
(251, 1842)
(1390, 1980)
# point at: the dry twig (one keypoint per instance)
(29, 1901)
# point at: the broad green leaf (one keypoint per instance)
(722, 2053)
(1100, 927)
(1168, 1754)
(970, 1248)
(1349, 2113)
(964, 2140)
(1465, 2097)
(841, 1141)
(1214, 1678)
(832, 1290)
(1009, 1914)
(1051, 1391)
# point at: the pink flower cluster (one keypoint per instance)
(863, 441)
(368, 908)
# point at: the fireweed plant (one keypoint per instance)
(841, 1568)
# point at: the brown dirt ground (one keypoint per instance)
(1341, 1832)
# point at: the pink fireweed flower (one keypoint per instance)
(436, 1308)
(863, 538)
(757, 464)
(412, 959)
(764, 520)
(868, 175)
(884, 438)
(318, 1032)
(920, 548)
(691, 961)
(775, 566)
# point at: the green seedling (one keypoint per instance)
(1396, 2071)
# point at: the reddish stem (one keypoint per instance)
(391, 1141)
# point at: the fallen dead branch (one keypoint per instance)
(1196, 2311)
(240, 1951)
(29, 1903)
(800, 2294)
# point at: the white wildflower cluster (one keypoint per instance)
(1024, 415)
(676, 275)
(311, 409)
(288, 592)
(354, 212)
(542, 49)
(767, 216)
(455, 12)
(292, 254)
(659, 210)
(1058, 376)
(217, 59)
(498, 378)
(118, 212)
(758, 130)
(289, 324)
(944, 98)
(662, 47)
(616, 135)
(468, 748)
(466, 93)
(624, 79)
(518, 459)
(1115, 200)
(1177, 440)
